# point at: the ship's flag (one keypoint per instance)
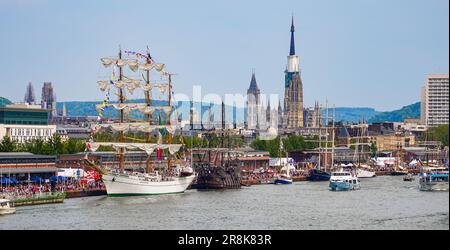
(149, 57)
(90, 176)
(159, 150)
(159, 154)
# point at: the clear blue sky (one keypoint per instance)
(366, 53)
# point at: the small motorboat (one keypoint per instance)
(344, 181)
(6, 208)
(408, 177)
(283, 179)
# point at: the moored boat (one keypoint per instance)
(363, 173)
(434, 179)
(6, 208)
(343, 181)
(408, 177)
(282, 179)
(318, 175)
(144, 184)
(216, 177)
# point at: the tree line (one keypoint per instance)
(290, 143)
(439, 133)
(53, 146)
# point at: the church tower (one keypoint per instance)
(253, 104)
(293, 93)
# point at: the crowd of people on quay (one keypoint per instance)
(40, 188)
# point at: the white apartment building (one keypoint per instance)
(24, 133)
(435, 101)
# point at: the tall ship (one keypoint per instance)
(136, 128)
(320, 172)
(362, 170)
(284, 176)
(218, 168)
(398, 169)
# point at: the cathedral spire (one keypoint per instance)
(292, 51)
(253, 85)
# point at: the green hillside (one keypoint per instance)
(410, 111)
(83, 108)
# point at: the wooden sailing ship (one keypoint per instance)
(218, 168)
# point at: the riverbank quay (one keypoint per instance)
(383, 173)
(85, 193)
(38, 199)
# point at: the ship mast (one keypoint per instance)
(169, 137)
(149, 117)
(326, 137)
(121, 133)
(333, 138)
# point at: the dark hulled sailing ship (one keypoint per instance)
(217, 168)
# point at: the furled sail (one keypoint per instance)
(107, 61)
(130, 84)
(137, 126)
(133, 64)
(152, 109)
(146, 66)
(121, 62)
(103, 85)
(149, 66)
(163, 87)
(119, 84)
(149, 148)
(123, 106)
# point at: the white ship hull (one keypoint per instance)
(361, 173)
(129, 186)
(5, 211)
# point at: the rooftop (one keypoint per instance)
(5, 155)
(4, 101)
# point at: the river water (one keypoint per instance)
(383, 202)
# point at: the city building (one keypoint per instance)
(293, 95)
(23, 122)
(271, 117)
(342, 155)
(280, 116)
(252, 160)
(48, 99)
(253, 105)
(73, 132)
(24, 166)
(313, 116)
(435, 100)
(394, 142)
(29, 95)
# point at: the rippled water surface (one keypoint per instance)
(382, 203)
